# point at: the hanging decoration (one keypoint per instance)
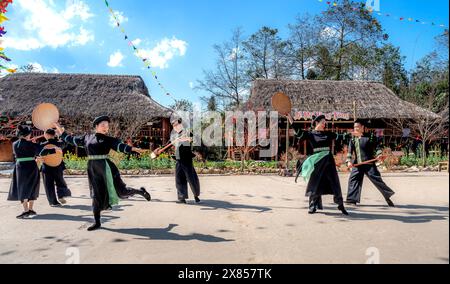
(400, 18)
(3, 5)
(136, 51)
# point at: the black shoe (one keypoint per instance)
(351, 202)
(390, 203)
(182, 201)
(197, 200)
(342, 209)
(146, 194)
(24, 215)
(32, 213)
(312, 210)
(57, 205)
(94, 227)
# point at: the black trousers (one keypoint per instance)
(52, 178)
(356, 183)
(185, 174)
(315, 202)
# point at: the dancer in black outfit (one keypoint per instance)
(26, 179)
(319, 170)
(54, 176)
(363, 147)
(185, 172)
(105, 182)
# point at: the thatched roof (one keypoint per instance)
(80, 96)
(373, 100)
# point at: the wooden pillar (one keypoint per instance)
(287, 144)
(165, 131)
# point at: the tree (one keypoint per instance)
(182, 105)
(391, 68)
(442, 49)
(429, 84)
(28, 68)
(267, 55)
(212, 104)
(304, 37)
(227, 83)
(346, 30)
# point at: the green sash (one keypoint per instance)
(112, 194)
(113, 198)
(29, 159)
(310, 164)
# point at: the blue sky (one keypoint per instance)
(75, 36)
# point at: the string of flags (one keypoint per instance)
(3, 5)
(137, 53)
(401, 18)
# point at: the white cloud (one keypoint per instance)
(191, 85)
(120, 17)
(44, 24)
(84, 37)
(115, 60)
(164, 51)
(76, 8)
(137, 41)
(38, 68)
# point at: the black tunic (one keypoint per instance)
(55, 176)
(185, 172)
(364, 149)
(324, 179)
(25, 179)
(100, 170)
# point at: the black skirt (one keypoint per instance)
(325, 180)
(25, 182)
(98, 184)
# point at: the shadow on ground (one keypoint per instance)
(166, 234)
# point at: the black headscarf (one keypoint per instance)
(317, 119)
(101, 119)
(23, 131)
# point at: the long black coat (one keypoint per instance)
(25, 180)
(324, 179)
(99, 170)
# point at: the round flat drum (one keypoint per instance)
(53, 160)
(282, 103)
(44, 116)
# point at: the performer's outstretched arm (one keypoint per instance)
(77, 141)
(118, 146)
(299, 132)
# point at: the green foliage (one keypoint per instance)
(164, 162)
(417, 160)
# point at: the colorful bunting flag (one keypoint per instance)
(3, 5)
(3, 18)
(137, 53)
(370, 10)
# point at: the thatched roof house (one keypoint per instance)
(373, 100)
(81, 97)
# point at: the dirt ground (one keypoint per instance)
(242, 219)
